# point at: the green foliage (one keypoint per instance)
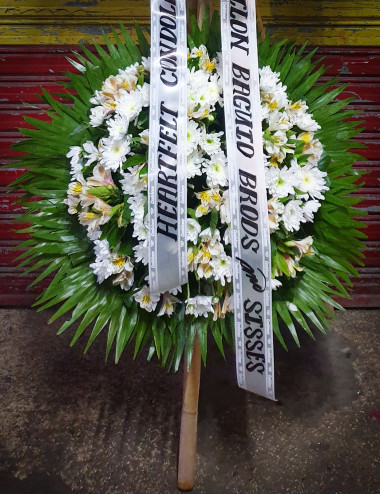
(58, 244)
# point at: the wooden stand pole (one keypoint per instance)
(189, 421)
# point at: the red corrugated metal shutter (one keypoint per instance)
(24, 69)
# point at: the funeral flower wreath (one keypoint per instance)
(88, 166)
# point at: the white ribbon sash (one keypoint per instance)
(248, 199)
(167, 180)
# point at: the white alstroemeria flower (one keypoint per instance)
(222, 268)
(114, 152)
(292, 216)
(147, 300)
(168, 302)
(309, 208)
(72, 202)
(125, 277)
(117, 126)
(227, 235)
(144, 137)
(278, 121)
(194, 135)
(200, 305)
(304, 245)
(100, 177)
(193, 230)
(275, 143)
(225, 212)
(97, 115)
(78, 187)
(275, 210)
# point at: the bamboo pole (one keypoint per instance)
(189, 421)
(191, 377)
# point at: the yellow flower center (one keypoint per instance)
(296, 106)
(145, 299)
(209, 66)
(273, 105)
(204, 196)
(119, 261)
(198, 53)
(216, 197)
(202, 209)
(90, 216)
(273, 162)
(305, 137)
(191, 256)
(77, 189)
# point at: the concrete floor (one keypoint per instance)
(72, 424)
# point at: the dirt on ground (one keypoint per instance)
(74, 424)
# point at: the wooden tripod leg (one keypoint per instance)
(189, 421)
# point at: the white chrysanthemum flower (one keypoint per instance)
(222, 268)
(132, 182)
(145, 62)
(140, 228)
(225, 212)
(310, 180)
(194, 161)
(193, 230)
(114, 152)
(95, 234)
(145, 93)
(147, 300)
(280, 181)
(129, 105)
(216, 170)
(275, 283)
(76, 162)
(92, 153)
(194, 135)
(292, 216)
(309, 208)
(141, 252)
(117, 126)
(136, 204)
(210, 143)
(200, 305)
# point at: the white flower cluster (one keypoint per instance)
(109, 195)
(294, 182)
